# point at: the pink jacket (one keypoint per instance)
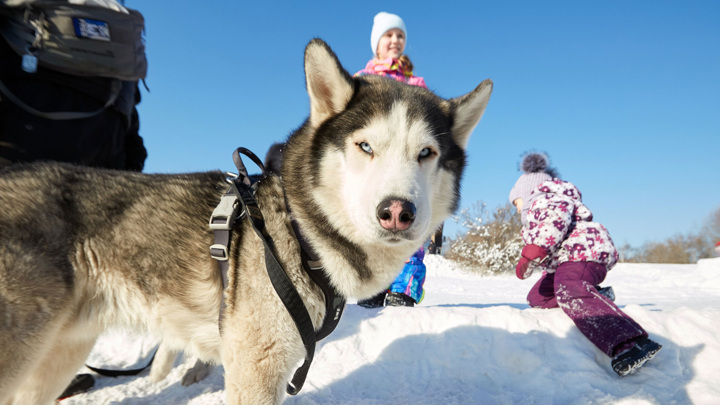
(558, 221)
(391, 68)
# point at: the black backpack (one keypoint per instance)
(69, 83)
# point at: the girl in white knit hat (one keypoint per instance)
(387, 40)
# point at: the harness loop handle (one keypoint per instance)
(242, 171)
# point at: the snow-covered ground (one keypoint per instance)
(474, 340)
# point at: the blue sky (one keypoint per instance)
(623, 95)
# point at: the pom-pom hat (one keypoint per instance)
(383, 23)
(536, 169)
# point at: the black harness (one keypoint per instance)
(238, 203)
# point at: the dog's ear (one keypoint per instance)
(329, 86)
(468, 110)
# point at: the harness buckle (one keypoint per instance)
(224, 214)
(219, 252)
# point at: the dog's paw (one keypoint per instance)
(197, 373)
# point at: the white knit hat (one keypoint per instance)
(383, 23)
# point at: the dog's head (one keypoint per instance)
(377, 166)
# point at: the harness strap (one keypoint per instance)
(240, 197)
(285, 290)
(334, 302)
(224, 215)
(122, 373)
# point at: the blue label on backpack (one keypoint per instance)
(91, 29)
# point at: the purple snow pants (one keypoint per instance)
(572, 288)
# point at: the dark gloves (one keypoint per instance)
(530, 253)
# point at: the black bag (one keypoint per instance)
(47, 113)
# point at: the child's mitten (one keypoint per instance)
(530, 253)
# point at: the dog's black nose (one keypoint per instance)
(396, 214)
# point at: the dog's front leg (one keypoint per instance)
(162, 363)
(259, 359)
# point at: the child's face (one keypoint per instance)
(518, 204)
(391, 44)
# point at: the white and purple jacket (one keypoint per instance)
(557, 220)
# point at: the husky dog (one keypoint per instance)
(370, 174)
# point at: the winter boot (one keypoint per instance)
(394, 299)
(631, 360)
(81, 383)
(607, 292)
(376, 301)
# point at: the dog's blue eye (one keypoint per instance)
(425, 153)
(366, 147)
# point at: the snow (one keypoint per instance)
(474, 340)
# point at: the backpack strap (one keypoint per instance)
(115, 91)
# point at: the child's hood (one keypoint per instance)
(565, 195)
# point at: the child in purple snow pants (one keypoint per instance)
(576, 254)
